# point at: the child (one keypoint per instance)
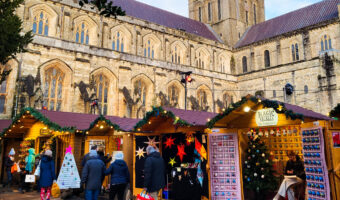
(22, 184)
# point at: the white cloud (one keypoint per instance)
(273, 8)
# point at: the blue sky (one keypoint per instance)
(273, 7)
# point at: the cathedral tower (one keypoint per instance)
(229, 18)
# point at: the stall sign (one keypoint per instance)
(266, 117)
(44, 132)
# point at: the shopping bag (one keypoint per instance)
(37, 170)
(144, 196)
(29, 178)
(55, 192)
(14, 168)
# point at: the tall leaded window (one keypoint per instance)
(255, 20)
(244, 64)
(140, 91)
(209, 11)
(223, 64)
(202, 99)
(173, 95)
(176, 56)
(226, 100)
(202, 59)
(219, 9)
(3, 91)
(326, 43)
(40, 24)
(82, 33)
(266, 58)
(118, 41)
(53, 86)
(102, 90)
(200, 14)
(295, 52)
(149, 49)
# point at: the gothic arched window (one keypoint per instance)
(244, 64)
(82, 33)
(3, 91)
(53, 86)
(295, 52)
(223, 64)
(173, 95)
(40, 23)
(177, 54)
(149, 49)
(118, 40)
(326, 43)
(202, 59)
(140, 91)
(266, 58)
(202, 99)
(226, 100)
(102, 89)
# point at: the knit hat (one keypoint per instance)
(48, 153)
(12, 152)
(119, 156)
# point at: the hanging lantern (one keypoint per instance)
(278, 132)
(266, 133)
(272, 131)
(260, 133)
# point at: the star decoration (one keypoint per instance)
(68, 150)
(152, 142)
(169, 142)
(180, 151)
(172, 162)
(189, 140)
(140, 152)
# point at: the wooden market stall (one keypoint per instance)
(281, 127)
(178, 134)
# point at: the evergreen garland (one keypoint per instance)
(102, 118)
(258, 174)
(40, 117)
(159, 111)
(277, 106)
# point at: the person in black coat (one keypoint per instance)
(295, 166)
(87, 156)
(8, 163)
(106, 159)
(154, 172)
(120, 177)
(92, 176)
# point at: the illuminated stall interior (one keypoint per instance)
(280, 135)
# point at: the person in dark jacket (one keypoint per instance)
(154, 172)
(106, 159)
(92, 176)
(120, 177)
(9, 162)
(87, 156)
(22, 184)
(295, 166)
(47, 175)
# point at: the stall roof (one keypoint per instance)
(4, 123)
(82, 121)
(291, 111)
(198, 118)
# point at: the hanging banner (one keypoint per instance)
(266, 117)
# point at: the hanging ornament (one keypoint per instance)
(257, 164)
(180, 151)
(245, 162)
(257, 151)
(249, 150)
(254, 146)
(248, 166)
(245, 176)
(260, 132)
(249, 132)
(263, 155)
(284, 132)
(248, 179)
(248, 157)
(255, 174)
(272, 131)
(253, 155)
(278, 133)
(172, 162)
(262, 168)
(267, 161)
(262, 176)
(169, 142)
(140, 152)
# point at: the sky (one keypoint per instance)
(273, 8)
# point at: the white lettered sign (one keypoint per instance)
(266, 117)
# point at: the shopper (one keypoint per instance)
(120, 177)
(22, 184)
(9, 162)
(154, 172)
(36, 164)
(106, 159)
(47, 174)
(92, 175)
(87, 156)
(30, 161)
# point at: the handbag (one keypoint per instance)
(37, 170)
(144, 196)
(29, 178)
(55, 191)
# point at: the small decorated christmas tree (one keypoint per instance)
(257, 168)
(24, 146)
(68, 176)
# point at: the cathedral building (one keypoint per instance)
(128, 64)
